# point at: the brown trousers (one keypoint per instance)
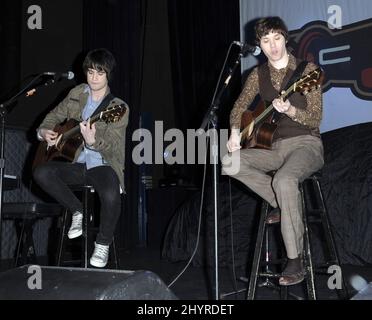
(294, 159)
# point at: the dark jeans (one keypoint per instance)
(54, 177)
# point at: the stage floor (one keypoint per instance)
(198, 283)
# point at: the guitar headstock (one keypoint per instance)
(309, 81)
(113, 113)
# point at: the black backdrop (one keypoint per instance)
(201, 32)
(200, 35)
(10, 33)
(118, 26)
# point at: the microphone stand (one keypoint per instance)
(211, 120)
(5, 108)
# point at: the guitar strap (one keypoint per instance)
(296, 75)
(104, 103)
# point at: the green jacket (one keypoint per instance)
(110, 137)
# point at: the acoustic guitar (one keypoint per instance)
(257, 127)
(69, 138)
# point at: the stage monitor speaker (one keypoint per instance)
(58, 283)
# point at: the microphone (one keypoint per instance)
(246, 48)
(69, 75)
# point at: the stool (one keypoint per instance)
(28, 213)
(88, 194)
(310, 215)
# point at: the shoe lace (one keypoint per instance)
(101, 250)
(76, 220)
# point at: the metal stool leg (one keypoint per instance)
(310, 281)
(61, 244)
(263, 234)
(19, 244)
(116, 257)
(267, 282)
(342, 293)
(257, 252)
(26, 242)
(86, 205)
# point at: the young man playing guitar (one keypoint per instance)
(296, 151)
(99, 158)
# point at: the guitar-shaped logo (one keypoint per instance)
(344, 54)
(258, 133)
(69, 138)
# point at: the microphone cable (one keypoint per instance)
(199, 222)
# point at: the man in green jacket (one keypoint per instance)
(98, 161)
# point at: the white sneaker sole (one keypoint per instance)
(97, 264)
(73, 235)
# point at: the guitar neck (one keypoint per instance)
(76, 130)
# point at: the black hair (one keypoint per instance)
(100, 60)
(270, 24)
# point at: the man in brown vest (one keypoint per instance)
(297, 149)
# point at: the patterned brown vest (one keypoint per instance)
(287, 128)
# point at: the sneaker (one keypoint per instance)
(100, 255)
(76, 229)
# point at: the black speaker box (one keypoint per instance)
(58, 283)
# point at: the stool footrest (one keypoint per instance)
(272, 262)
(269, 275)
